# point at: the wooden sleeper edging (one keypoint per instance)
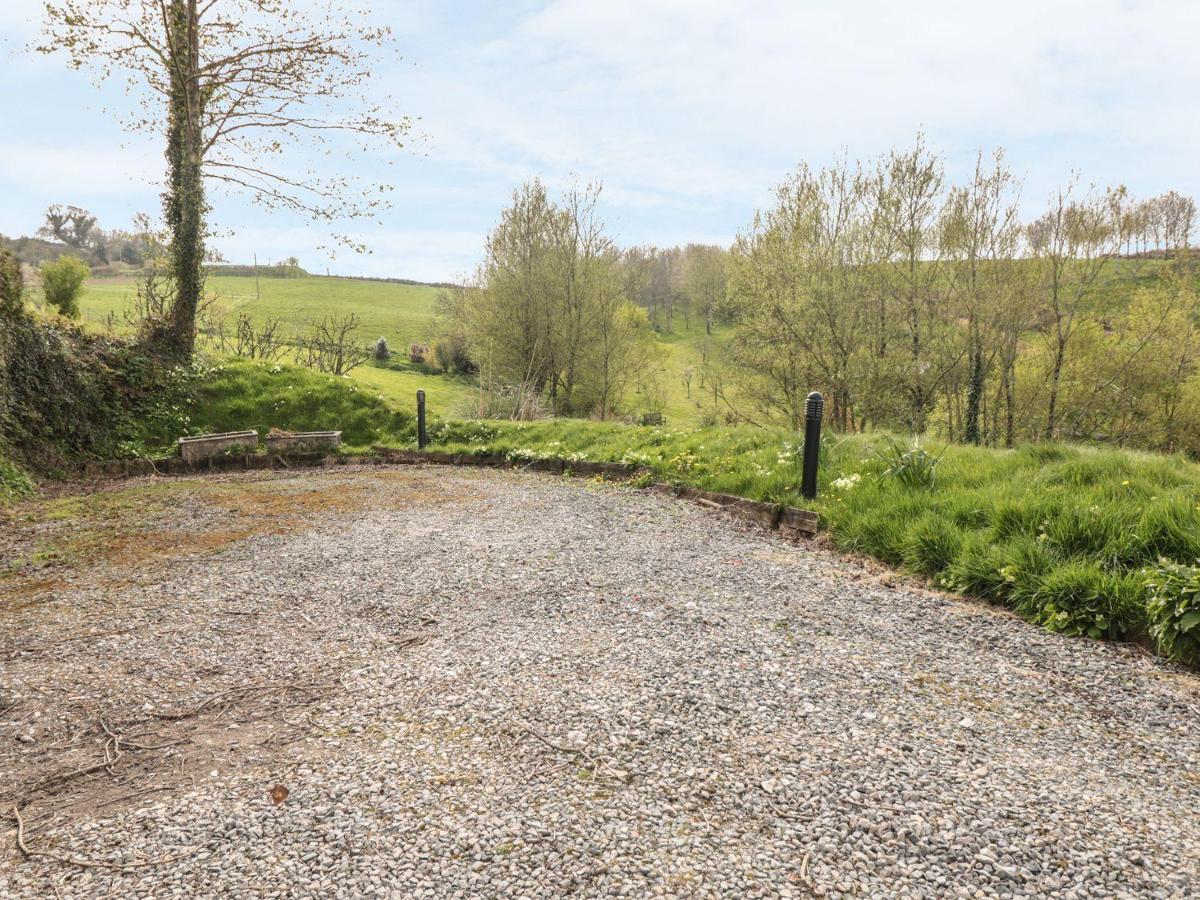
(788, 520)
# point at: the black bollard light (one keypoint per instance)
(422, 438)
(814, 409)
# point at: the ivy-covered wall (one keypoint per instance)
(67, 396)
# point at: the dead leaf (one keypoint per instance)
(278, 794)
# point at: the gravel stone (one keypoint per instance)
(548, 687)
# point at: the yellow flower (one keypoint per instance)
(1125, 484)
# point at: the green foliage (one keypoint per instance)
(15, 483)
(930, 544)
(913, 468)
(1174, 609)
(1080, 598)
(249, 394)
(12, 286)
(62, 282)
(66, 394)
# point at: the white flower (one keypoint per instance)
(846, 481)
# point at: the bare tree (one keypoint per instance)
(330, 347)
(249, 341)
(233, 85)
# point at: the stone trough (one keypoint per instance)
(206, 446)
(303, 442)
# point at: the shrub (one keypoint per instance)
(1173, 610)
(14, 482)
(62, 281)
(418, 354)
(382, 353)
(12, 285)
(450, 354)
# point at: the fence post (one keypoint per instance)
(814, 408)
(422, 439)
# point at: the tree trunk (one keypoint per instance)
(1060, 353)
(185, 196)
(974, 393)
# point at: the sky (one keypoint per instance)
(688, 111)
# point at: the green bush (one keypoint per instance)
(1173, 610)
(62, 282)
(15, 483)
(12, 286)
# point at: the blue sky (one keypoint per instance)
(690, 111)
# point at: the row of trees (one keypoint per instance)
(549, 310)
(677, 283)
(914, 303)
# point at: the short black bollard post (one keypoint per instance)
(814, 409)
(422, 438)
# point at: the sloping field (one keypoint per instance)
(402, 313)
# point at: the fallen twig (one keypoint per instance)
(85, 863)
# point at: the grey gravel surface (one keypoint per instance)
(537, 687)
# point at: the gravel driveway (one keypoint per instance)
(474, 683)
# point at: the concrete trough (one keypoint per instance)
(303, 442)
(206, 446)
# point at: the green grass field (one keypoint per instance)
(401, 313)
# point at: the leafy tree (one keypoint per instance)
(69, 225)
(550, 311)
(704, 280)
(1074, 242)
(980, 231)
(233, 85)
(62, 282)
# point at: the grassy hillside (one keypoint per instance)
(402, 313)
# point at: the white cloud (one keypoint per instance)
(691, 110)
(80, 170)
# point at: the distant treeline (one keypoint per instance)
(437, 284)
(269, 270)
